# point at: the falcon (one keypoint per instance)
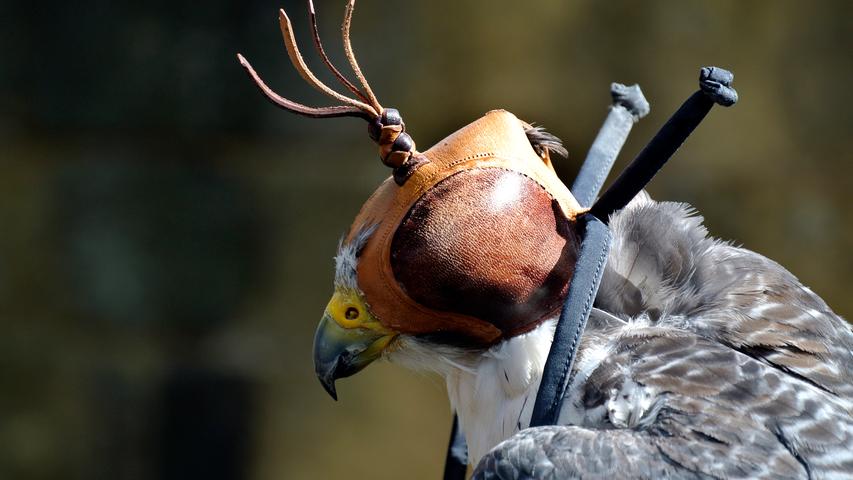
(700, 360)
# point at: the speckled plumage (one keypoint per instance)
(703, 360)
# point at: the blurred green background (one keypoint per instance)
(166, 235)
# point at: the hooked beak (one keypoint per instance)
(340, 352)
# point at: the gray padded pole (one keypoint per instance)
(629, 105)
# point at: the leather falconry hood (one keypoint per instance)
(474, 239)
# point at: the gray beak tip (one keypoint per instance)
(340, 352)
(329, 386)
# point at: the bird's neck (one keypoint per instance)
(492, 392)
(494, 399)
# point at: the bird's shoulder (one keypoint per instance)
(703, 360)
(664, 268)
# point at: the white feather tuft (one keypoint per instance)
(346, 261)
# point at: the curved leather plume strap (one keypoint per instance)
(318, 44)
(396, 147)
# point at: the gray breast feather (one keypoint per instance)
(752, 372)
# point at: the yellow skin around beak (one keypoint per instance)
(348, 339)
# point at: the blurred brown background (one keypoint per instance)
(167, 235)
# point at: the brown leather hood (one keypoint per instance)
(478, 242)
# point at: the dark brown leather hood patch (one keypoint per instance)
(490, 243)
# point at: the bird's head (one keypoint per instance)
(349, 336)
(476, 246)
(470, 242)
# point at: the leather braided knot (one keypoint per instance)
(389, 131)
(396, 147)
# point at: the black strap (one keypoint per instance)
(629, 105)
(585, 281)
(456, 463)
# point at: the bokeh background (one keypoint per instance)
(166, 235)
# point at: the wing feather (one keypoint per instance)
(749, 374)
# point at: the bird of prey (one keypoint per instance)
(700, 360)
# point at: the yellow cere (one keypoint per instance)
(349, 311)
